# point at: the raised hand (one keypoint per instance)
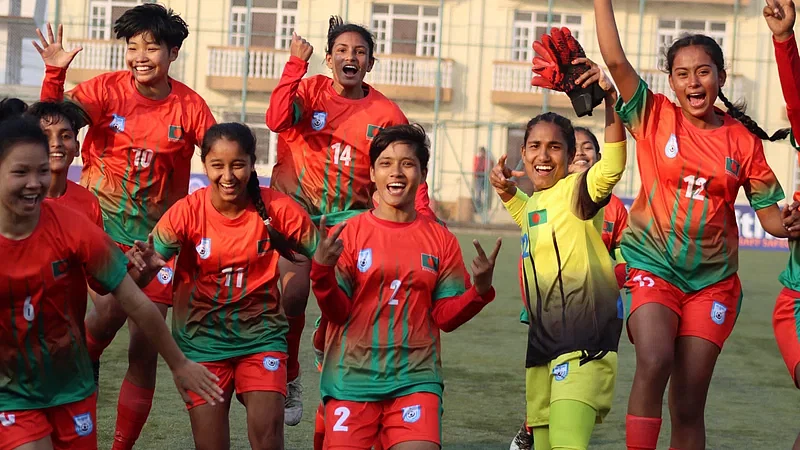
(483, 266)
(191, 376)
(330, 248)
(790, 216)
(500, 177)
(144, 257)
(300, 47)
(52, 51)
(780, 16)
(595, 74)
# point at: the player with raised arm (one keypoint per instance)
(386, 386)
(48, 399)
(325, 126)
(137, 161)
(682, 242)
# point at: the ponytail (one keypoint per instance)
(282, 245)
(737, 112)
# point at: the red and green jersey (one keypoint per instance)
(615, 219)
(683, 224)
(389, 346)
(43, 356)
(226, 301)
(81, 200)
(323, 145)
(137, 153)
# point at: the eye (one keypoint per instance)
(217, 166)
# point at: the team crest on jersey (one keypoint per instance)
(263, 246)
(318, 120)
(165, 275)
(60, 268)
(272, 364)
(373, 130)
(671, 149)
(364, 260)
(83, 424)
(412, 414)
(117, 123)
(561, 371)
(732, 167)
(175, 133)
(430, 263)
(718, 313)
(7, 419)
(204, 248)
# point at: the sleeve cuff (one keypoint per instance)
(488, 296)
(320, 271)
(786, 43)
(519, 195)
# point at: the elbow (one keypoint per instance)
(445, 326)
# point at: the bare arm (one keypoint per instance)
(621, 69)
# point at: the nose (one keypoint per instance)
(694, 80)
(33, 181)
(56, 142)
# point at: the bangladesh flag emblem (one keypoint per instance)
(537, 218)
(430, 263)
(175, 133)
(60, 268)
(732, 166)
(372, 131)
(608, 227)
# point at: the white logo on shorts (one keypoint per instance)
(165, 275)
(7, 419)
(671, 149)
(271, 364)
(718, 313)
(561, 371)
(83, 424)
(412, 414)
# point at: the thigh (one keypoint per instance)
(586, 378)
(711, 313)
(210, 425)
(412, 419)
(264, 372)
(351, 425)
(537, 396)
(74, 424)
(695, 359)
(224, 370)
(24, 429)
(295, 284)
(786, 324)
(644, 288)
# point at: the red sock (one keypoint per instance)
(641, 433)
(319, 336)
(319, 428)
(95, 346)
(132, 411)
(296, 325)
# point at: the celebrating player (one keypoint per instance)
(780, 16)
(387, 385)
(228, 314)
(325, 126)
(136, 160)
(682, 243)
(48, 397)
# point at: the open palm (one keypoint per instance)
(52, 51)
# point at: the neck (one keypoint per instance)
(58, 185)
(230, 210)
(158, 91)
(405, 214)
(353, 93)
(17, 228)
(709, 122)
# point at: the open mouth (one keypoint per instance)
(696, 100)
(58, 155)
(29, 200)
(350, 70)
(144, 70)
(580, 162)
(543, 169)
(396, 188)
(228, 188)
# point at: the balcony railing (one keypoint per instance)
(265, 63)
(411, 71)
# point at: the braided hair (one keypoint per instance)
(338, 27)
(242, 135)
(737, 111)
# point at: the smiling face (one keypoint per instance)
(585, 155)
(229, 168)
(349, 60)
(63, 142)
(696, 81)
(546, 155)
(397, 175)
(24, 179)
(148, 60)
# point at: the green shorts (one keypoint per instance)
(564, 378)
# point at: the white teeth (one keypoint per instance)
(396, 185)
(30, 197)
(227, 185)
(543, 167)
(57, 155)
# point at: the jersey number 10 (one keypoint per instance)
(340, 154)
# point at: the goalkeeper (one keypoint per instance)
(570, 291)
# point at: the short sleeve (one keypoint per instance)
(760, 184)
(294, 223)
(452, 273)
(640, 114)
(346, 266)
(170, 231)
(203, 120)
(101, 258)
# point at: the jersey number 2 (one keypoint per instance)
(395, 287)
(341, 154)
(342, 413)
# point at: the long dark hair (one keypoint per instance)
(737, 111)
(337, 27)
(560, 121)
(242, 135)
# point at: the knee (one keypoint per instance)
(685, 413)
(142, 355)
(655, 363)
(268, 435)
(294, 301)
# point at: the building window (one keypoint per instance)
(103, 14)
(405, 29)
(530, 26)
(272, 24)
(669, 30)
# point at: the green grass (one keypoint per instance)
(752, 403)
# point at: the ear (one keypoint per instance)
(371, 64)
(329, 61)
(372, 173)
(173, 54)
(722, 77)
(424, 176)
(669, 77)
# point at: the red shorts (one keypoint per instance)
(160, 288)
(70, 426)
(263, 372)
(709, 313)
(786, 323)
(359, 425)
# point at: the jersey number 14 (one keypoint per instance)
(341, 155)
